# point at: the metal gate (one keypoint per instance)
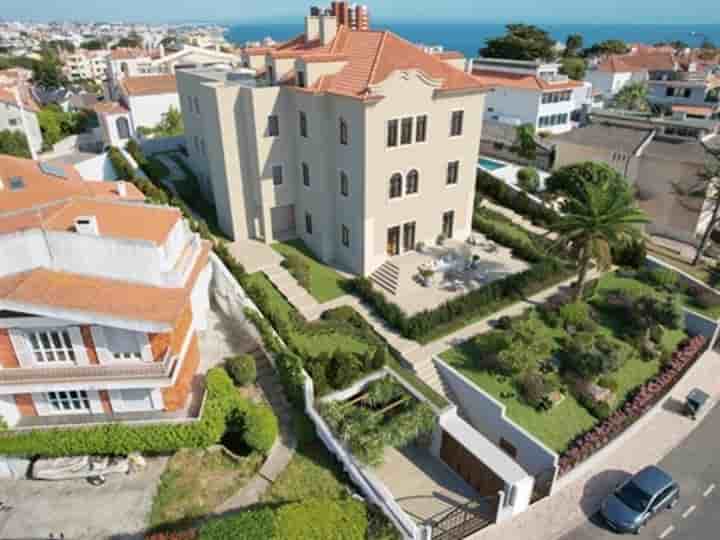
(466, 519)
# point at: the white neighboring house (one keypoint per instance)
(88, 65)
(613, 73)
(530, 92)
(11, 116)
(142, 103)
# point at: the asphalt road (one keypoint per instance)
(695, 465)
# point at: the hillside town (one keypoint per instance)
(352, 286)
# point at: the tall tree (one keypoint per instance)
(47, 72)
(521, 42)
(14, 143)
(171, 123)
(599, 218)
(574, 67)
(525, 145)
(573, 44)
(633, 97)
(569, 181)
(609, 46)
(706, 189)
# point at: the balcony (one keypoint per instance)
(154, 373)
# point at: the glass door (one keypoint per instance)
(393, 241)
(448, 224)
(409, 236)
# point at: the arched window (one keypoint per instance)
(344, 136)
(412, 181)
(396, 186)
(123, 127)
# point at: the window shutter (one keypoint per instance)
(101, 347)
(81, 357)
(41, 404)
(21, 344)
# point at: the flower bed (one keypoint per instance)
(647, 396)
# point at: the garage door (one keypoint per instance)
(469, 467)
(283, 219)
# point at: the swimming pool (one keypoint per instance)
(490, 165)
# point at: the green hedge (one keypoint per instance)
(260, 427)
(154, 169)
(524, 245)
(242, 369)
(311, 519)
(518, 201)
(222, 402)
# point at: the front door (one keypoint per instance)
(448, 224)
(409, 236)
(393, 241)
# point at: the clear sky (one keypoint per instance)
(558, 11)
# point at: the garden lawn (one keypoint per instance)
(613, 281)
(556, 428)
(195, 482)
(325, 282)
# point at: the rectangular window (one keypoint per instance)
(453, 171)
(421, 128)
(72, 401)
(277, 175)
(345, 236)
(273, 128)
(456, 125)
(406, 131)
(306, 174)
(308, 223)
(448, 224)
(303, 125)
(13, 122)
(409, 236)
(344, 135)
(392, 134)
(301, 79)
(344, 184)
(52, 346)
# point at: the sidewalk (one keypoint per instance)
(578, 495)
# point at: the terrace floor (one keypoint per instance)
(495, 262)
(422, 485)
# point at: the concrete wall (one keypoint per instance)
(162, 144)
(148, 111)
(513, 103)
(10, 118)
(97, 168)
(487, 415)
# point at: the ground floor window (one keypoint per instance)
(448, 224)
(409, 236)
(308, 223)
(345, 236)
(71, 401)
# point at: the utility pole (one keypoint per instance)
(19, 103)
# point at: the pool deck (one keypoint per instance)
(508, 172)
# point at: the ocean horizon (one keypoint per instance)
(469, 37)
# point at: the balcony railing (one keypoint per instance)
(100, 373)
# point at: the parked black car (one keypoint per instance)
(638, 499)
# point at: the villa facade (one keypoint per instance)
(101, 296)
(356, 141)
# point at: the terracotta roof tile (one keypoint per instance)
(128, 53)
(45, 288)
(149, 85)
(522, 81)
(696, 110)
(631, 63)
(7, 96)
(110, 107)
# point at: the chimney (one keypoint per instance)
(362, 18)
(312, 27)
(87, 225)
(121, 188)
(328, 28)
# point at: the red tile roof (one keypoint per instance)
(110, 107)
(521, 80)
(149, 85)
(7, 96)
(128, 53)
(631, 63)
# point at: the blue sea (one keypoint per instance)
(468, 38)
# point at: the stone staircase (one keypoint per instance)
(269, 382)
(428, 372)
(387, 277)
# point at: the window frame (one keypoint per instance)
(47, 355)
(301, 80)
(55, 400)
(407, 124)
(461, 130)
(345, 235)
(416, 190)
(344, 175)
(273, 167)
(392, 128)
(344, 135)
(303, 124)
(308, 223)
(424, 130)
(396, 176)
(305, 173)
(273, 121)
(455, 166)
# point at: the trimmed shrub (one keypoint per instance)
(299, 268)
(529, 179)
(248, 525)
(575, 314)
(632, 254)
(519, 202)
(222, 402)
(534, 388)
(242, 369)
(261, 427)
(662, 278)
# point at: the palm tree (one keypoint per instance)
(597, 218)
(633, 97)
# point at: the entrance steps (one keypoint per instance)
(387, 277)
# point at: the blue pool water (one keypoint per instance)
(490, 165)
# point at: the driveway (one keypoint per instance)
(118, 510)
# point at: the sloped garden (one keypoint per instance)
(564, 366)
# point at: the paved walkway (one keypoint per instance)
(579, 494)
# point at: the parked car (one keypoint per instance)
(635, 501)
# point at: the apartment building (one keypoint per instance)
(101, 297)
(86, 65)
(356, 141)
(611, 74)
(686, 85)
(657, 155)
(18, 112)
(532, 93)
(142, 102)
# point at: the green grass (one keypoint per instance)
(555, 428)
(195, 482)
(325, 282)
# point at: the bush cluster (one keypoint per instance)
(260, 427)
(299, 268)
(341, 369)
(518, 201)
(223, 402)
(529, 179)
(242, 369)
(524, 245)
(477, 303)
(661, 278)
(154, 169)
